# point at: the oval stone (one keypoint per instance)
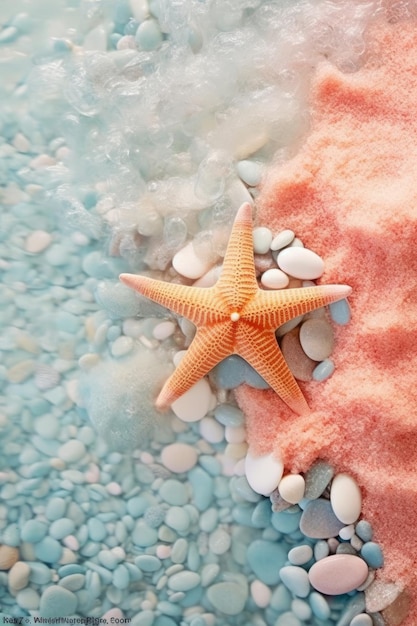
(300, 364)
(346, 498)
(316, 338)
(263, 472)
(318, 520)
(274, 279)
(300, 263)
(291, 488)
(338, 574)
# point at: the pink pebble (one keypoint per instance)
(163, 552)
(37, 241)
(179, 457)
(71, 542)
(111, 615)
(92, 475)
(338, 574)
(146, 458)
(260, 593)
(299, 363)
(114, 489)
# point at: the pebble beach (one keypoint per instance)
(131, 133)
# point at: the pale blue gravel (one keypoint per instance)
(371, 552)
(364, 530)
(57, 602)
(340, 312)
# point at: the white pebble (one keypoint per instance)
(71, 451)
(346, 498)
(347, 532)
(37, 241)
(284, 238)
(274, 279)
(121, 346)
(211, 430)
(140, 9)
(263, 472)
(195, 403)
(163, 330)
(187, 263)
(235, 434)
(114, 489)
(317, 338)
(260, 593)
(42, 160)
(250, 172)
(291, 488)
(262, 238)
(179, 457)
(21, 143)
(301, 263)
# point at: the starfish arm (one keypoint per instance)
(237, 282)
(270, 309)
(210, 346)
(262, 352)
(199, 305)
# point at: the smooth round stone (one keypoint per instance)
(363, 619)
(338, 574)
(288, 619)
(262, 238)
(300, 555)
(263, 472)
(316, 338)
(163, 330)
(266, 559)
(300, 364)
(121, 346)
(372, 554)
(364, 530)
(96, 529)
(187, 263)
(48, 550)
(184, 581)
(347, 532)
(179, 550)
(143, 535)
(211, 430)
(300, 263)
(57, 602)
(178, 519)
(228, 597)
(61, 528)
(301, 609)
(260, 593)
(345, 498)
(219, 541)
(319, 605)
(282, 239)
(296, 580)
(250, 172)
(148, 35)
(73, 582)
(291, 488)
(195, 403)
(208, 573)
(317, 479)
(203, 486)
(340, 312)
(179, 457)
(71, 451)
(286, 522)
(174, 492)
(323, 370)
(121, 578)
(229, 415)
(318, 520)
(19, 575)
(28, 599)
(33, 531)
(274, 279)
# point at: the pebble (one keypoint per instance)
(301, 609)
(319, 605)
(228, 597)
(163, 330)
(340, 312)
(9, 555)
(316, 338)
(323, 370)
(19, 575)
(203, 486)
(317, 479)
(229, 415)
(371, 552)
(121, 346)
(318, 520)
(300, 364)
(211, 430)
(266, 559)
(379, 595)
(363, 619)
(338, 574)
(296, 580)
(72, 451)
(33, 531)
(263, 472)
(282, 239)
(300, 555)
(195, 403)
(346, 498)
(219, 541)
(48, 550)
(37, 241)
(250, 172)
(364, 530)
(184, 581)
(174, 492)
(260, 593)
(148, 35)
(262, 238)
(274, 279)
(57, 602)
(291, 488)
(300, 263)
(61, 528)
(73, 582)
(187, 263)
(179, 457)
(178, 519)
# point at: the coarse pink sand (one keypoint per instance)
(351, 195)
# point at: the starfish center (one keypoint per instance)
(235, 316)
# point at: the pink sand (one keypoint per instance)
(351, 195)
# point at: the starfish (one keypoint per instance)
(235, 316)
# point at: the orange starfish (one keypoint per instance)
(236, 317)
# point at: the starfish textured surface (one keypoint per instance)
(235, 316)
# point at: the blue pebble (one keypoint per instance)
(364, 530)
(323, 370)
(229, 415)
(318, 520)
(266, 559)
(148, 563)
(261, 516)
(48, 550)
(143, 535)
(40, 574)
(203, 487)
(137, 506)
(355, 606)
(286, 522)
(61, 528)
(174, 492)
(296, 580)
(96, 529)
(281, 599)
(57, 602)
(71, 568)
(210, 464)
(148, 35)
(371, 552)
(11, 536)
(121, 578)
(340, 312)
(33, 531)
